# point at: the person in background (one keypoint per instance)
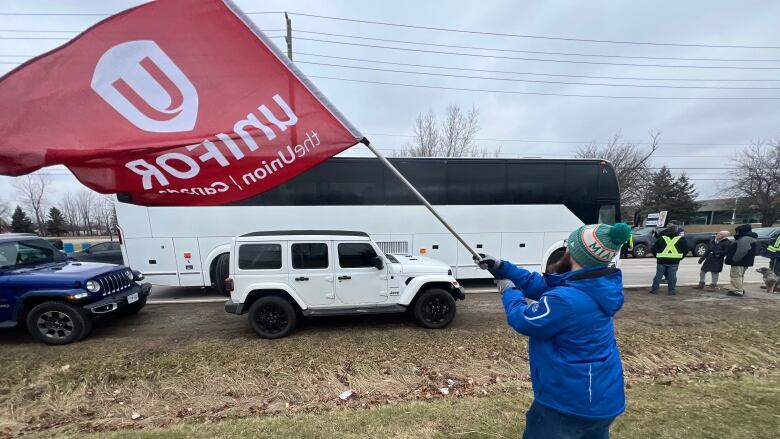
(669, 249)
(627, 247)
(773, 253)
(712, 260)
(576, 371)
(741, 256)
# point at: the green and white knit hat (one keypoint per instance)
(597, 244)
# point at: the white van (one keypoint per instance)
(278, 276)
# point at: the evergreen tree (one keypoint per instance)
(676, 195)
(20, 222)
(56, 224)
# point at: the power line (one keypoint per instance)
(518, 58)
(569, 141)
(528, 36)
(687, 98)
(453, 46)
(509, 72)
(539, 81)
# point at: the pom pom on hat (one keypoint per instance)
(620, 233)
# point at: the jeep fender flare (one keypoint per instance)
(25, 298)
(418, 284)
(209, 261)
(275, 286)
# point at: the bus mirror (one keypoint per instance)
(378, 263)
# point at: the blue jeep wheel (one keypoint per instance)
(58, 323)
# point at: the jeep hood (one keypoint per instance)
(421, 265)
(64, 271)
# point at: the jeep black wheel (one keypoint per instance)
(700, 249)
(221, 272)
(272, 317)
(434, 309)
(58, 323)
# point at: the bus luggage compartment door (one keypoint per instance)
(154, 258)
(487, 243)
(187, 255)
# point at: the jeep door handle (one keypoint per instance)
(299, 279)
(345, 277)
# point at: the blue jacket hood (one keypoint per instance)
(602, 284)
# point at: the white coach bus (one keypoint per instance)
(518, 209)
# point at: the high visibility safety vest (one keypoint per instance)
(670, 252)
(774, 248)
(631, 241)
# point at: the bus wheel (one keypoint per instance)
(555, 257)
(221, 272)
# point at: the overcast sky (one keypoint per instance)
(695, 133)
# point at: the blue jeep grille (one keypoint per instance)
(114, 282)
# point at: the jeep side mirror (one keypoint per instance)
(378, 263)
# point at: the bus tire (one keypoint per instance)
(221, 272)
(555, 257)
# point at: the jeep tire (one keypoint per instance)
(272, 317)
(58, 323)
(434, 308)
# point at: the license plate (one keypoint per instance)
(132, 298)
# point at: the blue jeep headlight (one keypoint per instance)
(92, 286)
(138, 276)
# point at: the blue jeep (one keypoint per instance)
(56, 298)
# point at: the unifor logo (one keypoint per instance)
(144, 85)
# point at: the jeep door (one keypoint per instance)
(311, 272)
(358, 281)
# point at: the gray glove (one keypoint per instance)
(504, 284)
(488, 262)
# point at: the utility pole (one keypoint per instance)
(734, 212)
(288, 38)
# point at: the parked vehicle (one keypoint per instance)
(535, 204)
(275, 277)
(766, 237)
(698, 243)
(56, 298)
(106, 252)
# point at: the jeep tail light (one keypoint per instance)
(229, 285)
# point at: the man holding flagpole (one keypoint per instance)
(576, 370)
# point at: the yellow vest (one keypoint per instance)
(774, 248)
(670, 252)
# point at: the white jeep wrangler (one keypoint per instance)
(278, 276)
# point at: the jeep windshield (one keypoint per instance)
(28, 252)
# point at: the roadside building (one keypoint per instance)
(726, 211)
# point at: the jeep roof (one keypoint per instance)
(304, 235)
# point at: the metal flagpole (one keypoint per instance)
(420, 197)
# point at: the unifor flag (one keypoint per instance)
(174, 102)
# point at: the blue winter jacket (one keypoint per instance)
(575, 362)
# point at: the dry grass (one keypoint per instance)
(707, 408)
(170, 374)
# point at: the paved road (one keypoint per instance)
(636, 273)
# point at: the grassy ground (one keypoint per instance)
(184, 368)
(711, 408)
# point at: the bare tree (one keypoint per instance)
(105, 215)
(69, 208)
(458, 130)
(31, 190)
(454, 136)
(758, 178)
(5, 209)
(85, 203)
(631, 162)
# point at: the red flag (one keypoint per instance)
(175, 102)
